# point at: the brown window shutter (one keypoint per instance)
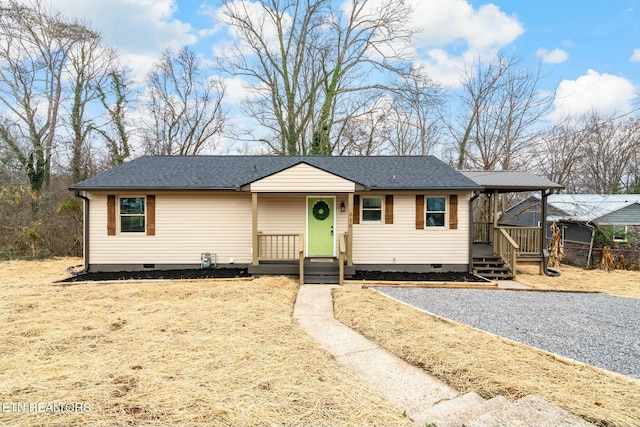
(111, 215)
(388, 209)
(151, 215)
(453, 212)
(356, 209)
(419, 212)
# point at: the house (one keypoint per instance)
(588, 222)
(274, 214)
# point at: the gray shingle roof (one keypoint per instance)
(232, 172)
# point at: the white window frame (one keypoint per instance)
(445, 222)
(362, 210)
(120, 215)
(624, 229)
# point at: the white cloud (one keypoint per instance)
(452, 33)
(604, 93)
(139, 29)
(555, 56)
(452, 21)
(635, 57)
(443, 68)
(238, 91)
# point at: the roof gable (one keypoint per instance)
(302, 177)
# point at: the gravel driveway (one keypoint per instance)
(598, 329)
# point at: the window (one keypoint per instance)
(619, 233)
(436, 211)
(132, 215)
(372, 209)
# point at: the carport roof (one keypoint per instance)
(510, 181)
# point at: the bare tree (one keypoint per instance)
(610, 149)
(183, 106)
(366, 134)
(415, 118)
(34, 54)
(90, 67)
(115, 96)
(304, 58)
(559, 153)
(592, 154)
(502, 110)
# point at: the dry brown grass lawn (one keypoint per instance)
(189, 353)
(617, 282)
(472, 360)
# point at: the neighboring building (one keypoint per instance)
(588, 222)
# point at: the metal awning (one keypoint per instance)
(510, 181)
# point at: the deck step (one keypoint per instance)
(321, 271)
(492, 268)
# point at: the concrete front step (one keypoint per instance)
(454, 412)
(529, 411)
(470, 410)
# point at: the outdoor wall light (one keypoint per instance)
(342, 207)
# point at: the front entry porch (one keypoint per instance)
(320, 254)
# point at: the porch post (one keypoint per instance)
(254, 228)
(350, 229)
(494, 220)
(495, 208)
(543, 228)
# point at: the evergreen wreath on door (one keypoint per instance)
(320, 210)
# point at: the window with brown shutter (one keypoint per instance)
(151, 215)
(356, 209)
(419, 212)
(453, 212)
(111, 215)
(388, 209)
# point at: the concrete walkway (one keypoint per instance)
(424, 399)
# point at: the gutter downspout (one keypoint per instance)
(593, 233)
(85, 236)
(475, 196)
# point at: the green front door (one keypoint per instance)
(320, 213)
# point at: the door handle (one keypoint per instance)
(332, 230)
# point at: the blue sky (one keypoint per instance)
(590, 50)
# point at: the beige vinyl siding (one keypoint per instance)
(303, 178)
(401, 243)
(187, 224)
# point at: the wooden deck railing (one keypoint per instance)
(282, 247)
(527, 238)
(506, 247)
(290, 247)
(279, 247)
